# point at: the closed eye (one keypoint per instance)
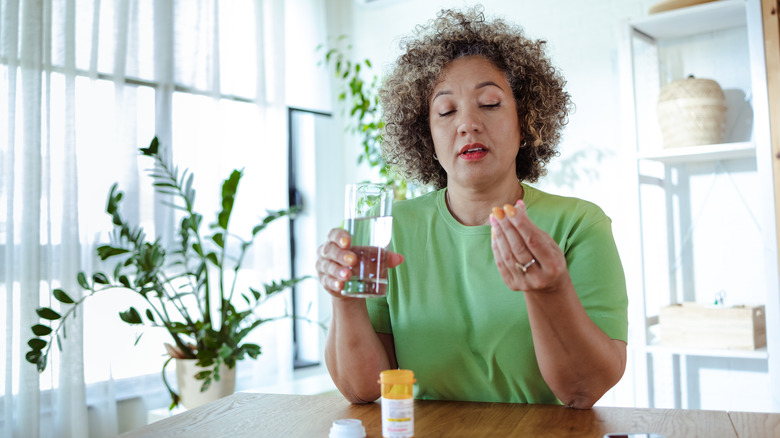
(493, 105)
(446, 113)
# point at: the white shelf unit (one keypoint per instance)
(714, 152)
(706, 215)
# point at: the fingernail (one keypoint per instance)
(520, 203)
(338, 285)
(343, 242)
(510, 211)
(493, 233)
(349, 258)
(344, 273)
(498, 213)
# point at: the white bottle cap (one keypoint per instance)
(347, 428)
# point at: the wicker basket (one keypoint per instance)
(692, 112)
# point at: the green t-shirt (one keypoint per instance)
(455, 323)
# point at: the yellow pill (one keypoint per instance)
(510, 210)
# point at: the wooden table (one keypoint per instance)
(310, 416)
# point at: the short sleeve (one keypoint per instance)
(597, 273)
(379, 312)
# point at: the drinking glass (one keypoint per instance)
(368, 218)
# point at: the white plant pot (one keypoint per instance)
(189, 387)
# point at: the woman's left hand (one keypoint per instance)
(527, 258)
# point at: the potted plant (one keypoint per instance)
(189, 289)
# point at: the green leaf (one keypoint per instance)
(203, 374)
(62, 297)
(124, 281)
(34, 356)
(150, 314)
(48, 313)
(106, 251)
(82, 279)
(275, 287)
(112, 201)
(253, 350)
(163, 184)
(229, 189)
(225, 351)
(131, 316)
(188, 185)
(41, 330)
(37, 343)
(100, 278)
(152, 149)
(218, 239)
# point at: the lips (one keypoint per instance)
(474, 151)
(473, 148)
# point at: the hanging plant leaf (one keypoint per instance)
(82, 279)
(48, 313)
(34, 356)
(131, 316)
(37, 343)
(62, 297)
(41, 330)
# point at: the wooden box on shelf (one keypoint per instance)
(701, 326)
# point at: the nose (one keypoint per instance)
(469, 122)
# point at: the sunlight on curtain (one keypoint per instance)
(85, 83)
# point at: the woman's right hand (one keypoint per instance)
(335, 260)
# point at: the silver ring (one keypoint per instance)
(525, 267)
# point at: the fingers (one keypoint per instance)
(518, 243)
(541, 246)
(394, 259)
(511, 244)
(334, 261)
(508, 247)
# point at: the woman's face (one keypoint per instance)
(474, 123)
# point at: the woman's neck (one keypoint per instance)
(472, 207)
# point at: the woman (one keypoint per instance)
(499, 292)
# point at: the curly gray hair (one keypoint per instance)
(542, 103)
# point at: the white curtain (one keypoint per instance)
(85, 83)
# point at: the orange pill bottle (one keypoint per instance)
(397, 403)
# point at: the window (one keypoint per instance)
(110, 76)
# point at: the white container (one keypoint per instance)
(189, 386)
(347, 428)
